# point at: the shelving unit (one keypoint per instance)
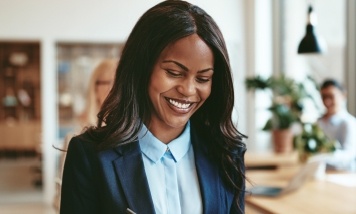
(20, 104)
(19, 81)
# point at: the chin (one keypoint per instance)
(177, 124)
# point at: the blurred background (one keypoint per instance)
(49, 48)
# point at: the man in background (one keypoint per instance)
(338, 124)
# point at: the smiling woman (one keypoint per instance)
(165, 141)
(179, 85)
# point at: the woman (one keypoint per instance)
(100, 83)
(165, 141)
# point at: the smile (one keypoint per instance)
(179, 105)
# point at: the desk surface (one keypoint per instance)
(255, 159)
(315, 196)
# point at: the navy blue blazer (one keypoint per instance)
(113, 180)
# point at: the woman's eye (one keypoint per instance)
(203, 79)
(174, 73)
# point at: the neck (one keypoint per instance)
(165, 134)
(327, 115)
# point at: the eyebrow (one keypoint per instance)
(184, 67)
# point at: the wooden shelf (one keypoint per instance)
(19, 81)
(20, 104)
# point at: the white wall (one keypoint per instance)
(50, 21)
(259, 61)
(331, 28)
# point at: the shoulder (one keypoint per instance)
(323, 120)
(82, 139)
(348, 120)
(80, 177)
(81, 145)
(209, 144)
(351, 118)
(320, 119)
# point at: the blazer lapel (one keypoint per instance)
(131, 173)
(208, 176)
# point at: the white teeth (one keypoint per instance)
(179, 105)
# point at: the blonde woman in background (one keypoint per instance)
(99, 86)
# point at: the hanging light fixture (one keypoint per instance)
(310, 42)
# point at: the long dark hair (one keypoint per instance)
(128, 103)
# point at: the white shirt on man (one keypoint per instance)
(341, 127)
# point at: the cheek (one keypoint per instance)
(340, 100)
(159, 84)
(332, 101)
(155, 88)
(102, 92)
(205, 92)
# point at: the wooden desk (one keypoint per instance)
(270, 159)
(315, 196)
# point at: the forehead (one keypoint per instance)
(331, 90)
(188, 49)
(106, 74)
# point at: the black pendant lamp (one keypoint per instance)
(310, 43)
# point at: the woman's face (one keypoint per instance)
(103, 85)
(180, 82)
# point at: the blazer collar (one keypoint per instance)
(130, 170)
(208, 175)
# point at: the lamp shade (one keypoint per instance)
(310, 42)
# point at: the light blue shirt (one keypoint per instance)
(181, 149)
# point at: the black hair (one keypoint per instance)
(332, 82)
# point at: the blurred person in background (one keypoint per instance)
(338, 124)
(100, 84)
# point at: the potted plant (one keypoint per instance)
(312, 140)
(286, 107)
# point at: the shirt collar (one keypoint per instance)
(154, 149)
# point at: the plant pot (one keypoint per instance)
(282, 140)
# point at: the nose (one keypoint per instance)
(187, 87)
